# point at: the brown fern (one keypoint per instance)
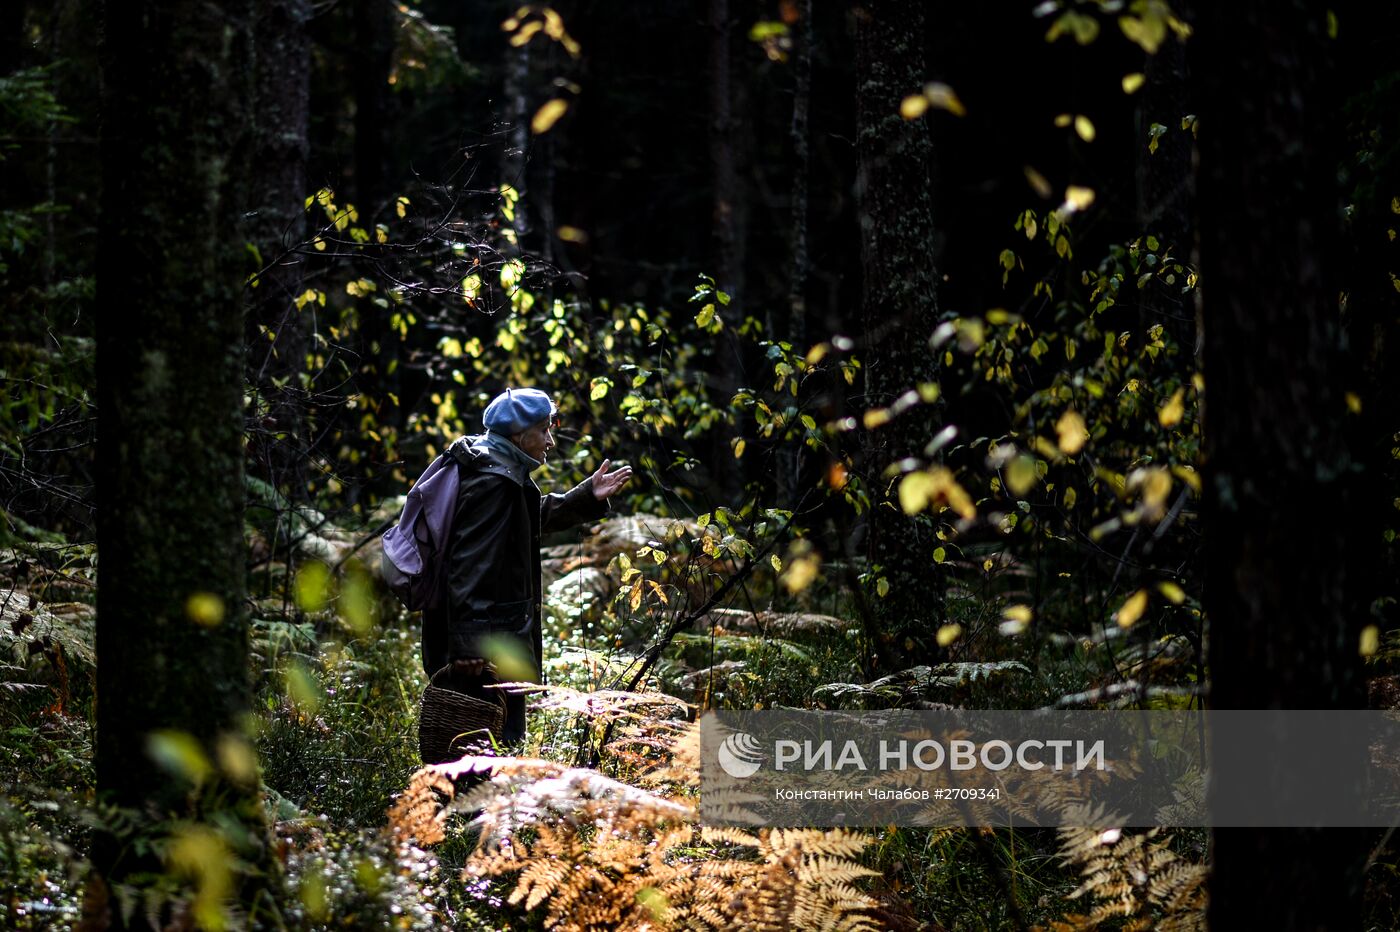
(1133, 880)
(596, 851)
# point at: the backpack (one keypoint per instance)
(415, 548)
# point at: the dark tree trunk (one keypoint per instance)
(374, 44)
(1165, 185)
(728, 237)
(801, 169)
(1280, 483)
(375, 28)
(281, 336)
(792, 326)
(172, 636)
(900, 309)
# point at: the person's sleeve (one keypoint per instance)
(475, 549)
(559, 511)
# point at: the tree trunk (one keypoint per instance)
(729, 258)
(793, 325)
(801, 168)
(172, 636)
(374, 44)
(900, 310)
(280, 334)
(1165, 185)
(1280, 483)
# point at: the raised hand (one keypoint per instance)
(608, 483)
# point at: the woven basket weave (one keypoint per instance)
(450, 722)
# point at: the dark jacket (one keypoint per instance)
(493, 564)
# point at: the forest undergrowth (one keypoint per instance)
(369, 840)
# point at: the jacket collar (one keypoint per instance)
(472, 451)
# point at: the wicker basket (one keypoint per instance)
(450, 722)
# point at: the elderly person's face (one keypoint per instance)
(536, 440)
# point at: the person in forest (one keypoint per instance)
(491, 607)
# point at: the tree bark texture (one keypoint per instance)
(280, 334)
(172, 637)
(900, 310)
(1279, 480)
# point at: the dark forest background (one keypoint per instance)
(995, 356)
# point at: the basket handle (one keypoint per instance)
(487, 667)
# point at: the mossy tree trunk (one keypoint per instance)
(1280, 483)
(900, 308)
(172, 636)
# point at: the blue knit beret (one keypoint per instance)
(515, 409)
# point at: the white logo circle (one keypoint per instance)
(740, 755)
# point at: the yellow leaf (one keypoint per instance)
(1171, 412)
(357, 601)
(1071, 497)
(1038, 182)
(1131, 82)
(706, 315)
(941, 96)
(1084, 127)
(238, 759)
(1020, 475)
(817, 353)
(882, 587)
(510, 656)
(1076, 199)
(800, 574)
(313, 585)
(205, 609)
(1064, 119)
(1132, 609)
(1353, 402)
(571, 234)
(1370, 640)
(916, 490)
(1072, 432)
(913, 106)
(1189, 476)
(1021, 613)
(179, 753)
(948, 634)
(876, 417)
(549, 114)
(776, 562)
(1174, 593)
(739, 447)
(1148, 32)
(1155, 483)
(939, 554)
(302, 689)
